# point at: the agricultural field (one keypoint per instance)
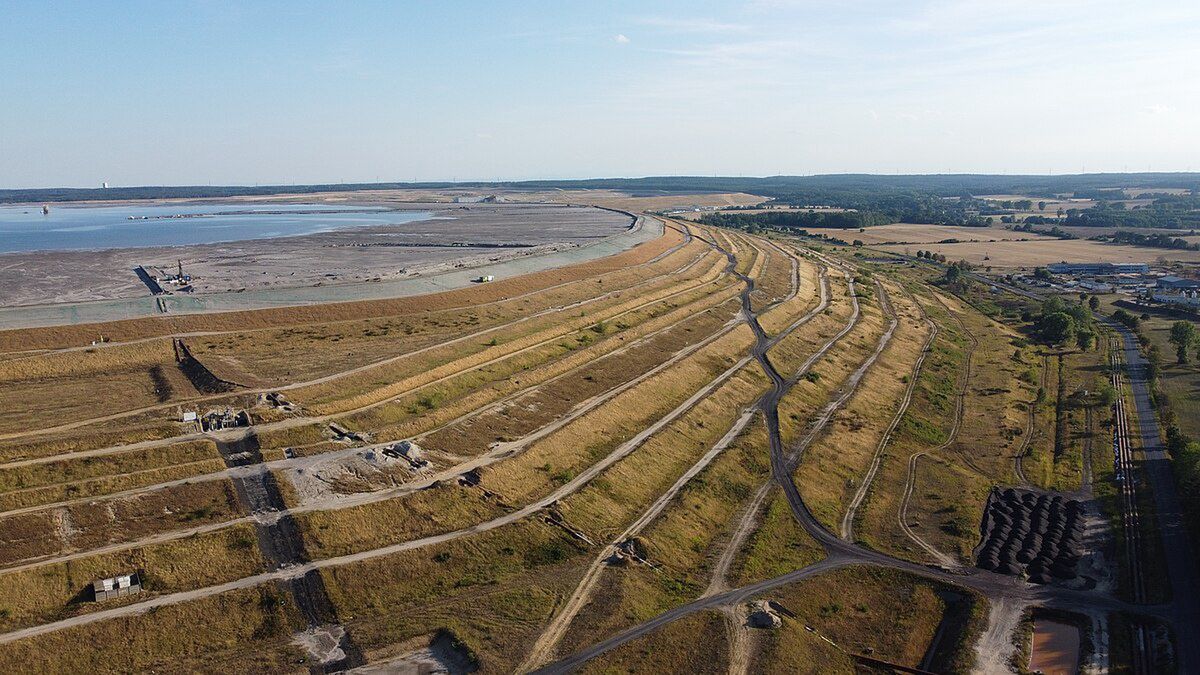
(711, 452)
(1042, 251)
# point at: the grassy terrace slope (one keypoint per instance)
(564, 415)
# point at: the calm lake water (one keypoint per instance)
(24, 228)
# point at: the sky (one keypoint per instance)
(175, 92)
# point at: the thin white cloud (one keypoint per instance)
(689, 25)
(620, 39)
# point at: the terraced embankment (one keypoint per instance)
(689, 430)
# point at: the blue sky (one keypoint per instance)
(216, 92)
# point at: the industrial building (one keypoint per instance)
(1177, 283)
(1098, 268)
(1188, 298)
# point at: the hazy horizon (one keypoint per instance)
(302, 93)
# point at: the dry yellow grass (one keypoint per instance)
(446, 411)
(693, 644)
(99, 487)
(84, 526)
(888, 614)
(71, 470)
(620, 493)
(249, 628)
(493, 591)
(56, 591)
(420, 514)
(556, 458)
(529, 357)
(807, 296)
(826, 375)
(834, 465)
(950, 488)
(385, 381)
(320, 349)
(777, 545)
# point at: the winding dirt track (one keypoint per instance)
(558, 626)
(847, 530)
(1027, 439)
(839, 553)
(749, 518)
(910, 481)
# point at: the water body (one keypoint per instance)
(25, 228)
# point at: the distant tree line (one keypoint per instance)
(796, 220)
(1150, 240)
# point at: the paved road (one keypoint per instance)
(1177, 547)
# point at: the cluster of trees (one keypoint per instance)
(1185, 338)
(1151, 240)
(1021, 204)
(1056, 231)
(1127, 319)
(956, 272)
(796, 220)
(1185, 453)
(1061, 322)
(1184, 450)
(1157, 215)
(930, 255)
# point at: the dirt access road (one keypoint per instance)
(998, 589)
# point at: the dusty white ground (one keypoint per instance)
(384, 252)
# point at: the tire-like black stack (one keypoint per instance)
(1030, 532)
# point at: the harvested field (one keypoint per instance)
(1035, 253)
(913, 233)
